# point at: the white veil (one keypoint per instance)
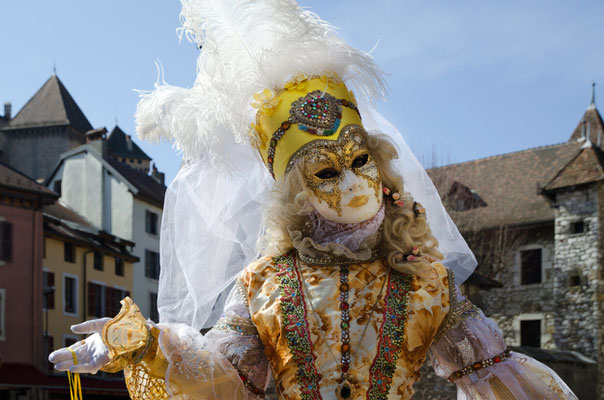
(212, 212)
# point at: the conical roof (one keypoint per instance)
(51, 105)
(586, 167)
(120, 144)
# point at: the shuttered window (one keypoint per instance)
(104, 301)
(6, 241)
(151, 264)
(70, 294)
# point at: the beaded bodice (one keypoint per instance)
(297, 310)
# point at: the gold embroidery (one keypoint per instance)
(142, 386)
(458, 311)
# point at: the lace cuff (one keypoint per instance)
(471, 351)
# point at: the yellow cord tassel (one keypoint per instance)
(75, 386)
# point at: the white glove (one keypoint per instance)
(91, 353)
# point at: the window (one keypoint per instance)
(530, 333)
(104, 301)
(530, 265)
(154, 314)
(6, 241)
(2, 308)
(98, 260)
(96, 300)
(151, 222)
(70, 294)
(151, 264)
(119, 266)
(69, 252)
(48, 282)
(577, 227)
(56, 187)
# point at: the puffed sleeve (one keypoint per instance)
(470, 351)
(175, 360)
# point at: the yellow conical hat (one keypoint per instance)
(305, 110)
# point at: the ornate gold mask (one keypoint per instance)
(343, 175)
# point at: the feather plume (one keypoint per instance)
(247, 46)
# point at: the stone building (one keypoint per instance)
(535, 219)
(49, 124)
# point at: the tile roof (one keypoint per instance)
(586, 167)
(51, 105)
(149, 189)
(508, 183)
(13, 179)
(120, 144)
(88, 236)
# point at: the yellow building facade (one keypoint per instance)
(85, 275)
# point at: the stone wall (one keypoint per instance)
(34, 151)
(515, 302)
(576, 282)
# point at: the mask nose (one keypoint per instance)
(352, 183)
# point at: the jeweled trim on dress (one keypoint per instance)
(392, 333)
(296, 329)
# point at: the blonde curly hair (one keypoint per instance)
(402, 230)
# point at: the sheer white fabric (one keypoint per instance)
(458, 256)
(478, 338)
(212, 366)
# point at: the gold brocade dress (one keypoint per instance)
(283, 317)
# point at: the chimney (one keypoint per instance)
(129, 142)
(160, 177)
(97, 138)
(7, 110)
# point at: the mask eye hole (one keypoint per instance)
(327, 173)
(360, 161)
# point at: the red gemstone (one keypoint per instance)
(345, 368)
(343, 306)
(497, 359)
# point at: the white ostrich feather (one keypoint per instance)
(247, 46)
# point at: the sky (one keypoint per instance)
(467, 79)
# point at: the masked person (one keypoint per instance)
(356, 281)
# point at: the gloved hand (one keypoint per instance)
(91, 353)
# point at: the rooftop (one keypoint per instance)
(51, 105)
(119, 144)
(10, 178)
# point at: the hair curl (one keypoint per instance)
(288, 209)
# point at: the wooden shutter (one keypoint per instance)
(6, 241)
(50, 295)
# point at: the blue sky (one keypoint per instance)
(467, 79)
